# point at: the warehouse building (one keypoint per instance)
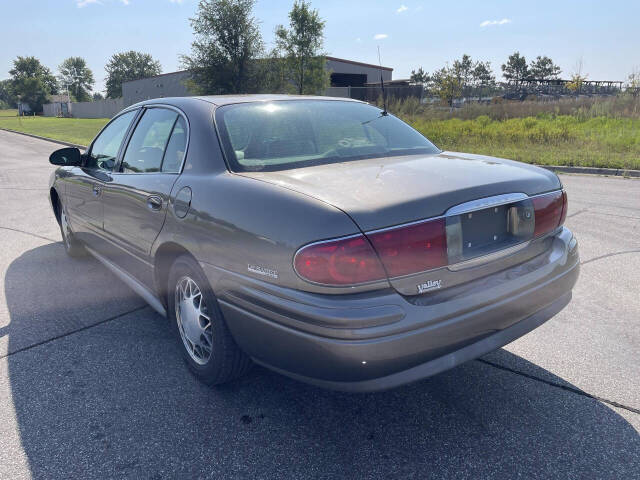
(344, 73)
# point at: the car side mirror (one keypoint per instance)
(66, 157)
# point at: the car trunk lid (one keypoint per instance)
(479, 195)
(381, 192)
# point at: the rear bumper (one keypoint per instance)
(380, 340)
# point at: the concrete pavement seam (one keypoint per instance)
(577, 391)
(29, 233)
(609, 255)
(78, 330)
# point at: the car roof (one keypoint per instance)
(219, 100)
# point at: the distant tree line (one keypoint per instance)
(466, 77)
(227, 56)
(32, 83)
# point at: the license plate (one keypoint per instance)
(481, 232)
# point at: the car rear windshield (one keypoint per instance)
(286, 134)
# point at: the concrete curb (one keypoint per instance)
(614, 172)
(46, 139)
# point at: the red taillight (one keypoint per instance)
(412, 248)
(345, 261)
(565, 205)
(550, 212)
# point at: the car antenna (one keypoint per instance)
(384, 95)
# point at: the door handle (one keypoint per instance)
(96, 189)
(154, 202)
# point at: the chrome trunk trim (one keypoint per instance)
(474, 262)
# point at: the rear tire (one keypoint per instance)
(71, 245)
(201, 331)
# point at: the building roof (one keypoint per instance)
(362, 64)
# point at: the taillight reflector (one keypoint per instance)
(345, 261)
(550, 212)
(412, 248)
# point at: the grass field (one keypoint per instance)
(73, 130)
(544, 139)
(12, 112)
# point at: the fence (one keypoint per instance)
(373, 93)
(57, 109)
(101, 109)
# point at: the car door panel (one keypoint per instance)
(84, 185)
(135, 201)
(135, 207)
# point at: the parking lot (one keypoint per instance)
(92, 384)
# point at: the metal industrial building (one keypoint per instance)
(344, 73)
(348, 78)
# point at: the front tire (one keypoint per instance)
(205, 341)
(71, 245)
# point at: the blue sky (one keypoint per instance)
(410, 33)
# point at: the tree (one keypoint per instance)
(446, 84)
(224, 56)
(275, 73)
(97, 96)
(577, 78)
(463, 70)
(516, 68)
(32, 82)
(6, 94)
(544, 68)
(77, 77)
(483, 79)
(482, 75)
(302, 44)
(633, 83)
(128, 66)
(419, 76)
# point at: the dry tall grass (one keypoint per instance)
(621, 106)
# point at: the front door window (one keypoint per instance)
(104, 151)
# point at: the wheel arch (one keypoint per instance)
(55, 203)
(164, 257)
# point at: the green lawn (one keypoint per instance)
(545, 139)
(11, 112)
(73, 130)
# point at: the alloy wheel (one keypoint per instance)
(194, 321)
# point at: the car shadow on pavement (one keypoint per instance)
(116, 400)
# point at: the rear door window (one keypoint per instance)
(174, 154)
(149, 140)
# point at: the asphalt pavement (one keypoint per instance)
(92, 384)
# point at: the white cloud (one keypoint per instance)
(380, 36)
(403, 8)
(489, 23)
(358, 40)
(84, 3)
(179, 2)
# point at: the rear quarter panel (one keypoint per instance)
(244, 226)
